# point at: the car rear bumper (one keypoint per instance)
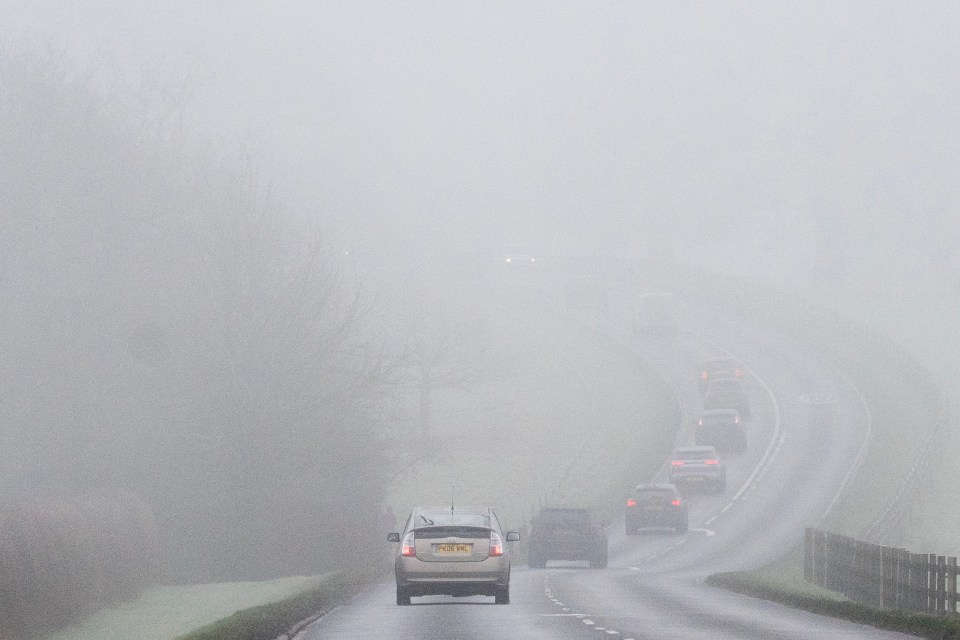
(654, 520)
(453, 578)
(695, 476)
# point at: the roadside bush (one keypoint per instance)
(61, 558)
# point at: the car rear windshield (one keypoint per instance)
(718, 418)
(654, 495)
(565, 517)
(693, 454)
(714, 366)
(447, 518)
(725, 385)
(434, 533)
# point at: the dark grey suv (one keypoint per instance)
(656, 506)
(721, 428)
(566, 533)
(727, 393)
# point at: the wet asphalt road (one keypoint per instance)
(788, 479)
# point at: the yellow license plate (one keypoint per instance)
(454, 549)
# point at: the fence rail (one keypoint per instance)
(885, 577)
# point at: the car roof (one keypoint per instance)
(720, 360)
(705, 450)
(647, 486)
(720, 412)
(563, 509)
(724, 381)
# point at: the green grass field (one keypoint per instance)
(168, 612)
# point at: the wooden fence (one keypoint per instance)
(885, 577)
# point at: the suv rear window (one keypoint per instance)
(654, 495)
(564, 517)
(725, 385)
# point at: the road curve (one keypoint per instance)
(654, 587)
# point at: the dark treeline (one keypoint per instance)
(168, 329)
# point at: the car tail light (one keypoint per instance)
(738, 373)
(496, 544)
(704, 375)
(675, 503)
(711, 462)
(676, 463)
(631, 502)
(407, 548)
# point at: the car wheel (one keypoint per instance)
(502, 595)
(682, 527)
(721, 485)
(403, 597)
(631, 531)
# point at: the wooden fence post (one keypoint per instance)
(884, 578)
(808, 534)
(941, 585)
(952, 584)
(903, 579)
(820, 558)
(931, 583)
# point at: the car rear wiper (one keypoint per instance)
(426, 519)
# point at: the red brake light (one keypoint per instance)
(676, 463)
(738, 372)
(675, 503)
(631, 502)
(711, 462)
(407, 548)
(496, 544)
(704, 375)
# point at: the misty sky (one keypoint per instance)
(697, 126)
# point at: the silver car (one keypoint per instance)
(698, 466)
(456, 552)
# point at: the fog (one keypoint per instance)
(233, 228)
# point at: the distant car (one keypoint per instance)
(715, 368)
(656, 506)
(722, 429)
(517, 256)
(698, 467)
(566, 533)
(656, 315)
(727, 393)
(456, 552)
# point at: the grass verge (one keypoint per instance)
(269, 621)
(767, 585)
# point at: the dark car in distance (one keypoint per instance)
(716, 368)
(721, 428)
(656, 506)
(727, 393)
(698, 467)
(566, 533)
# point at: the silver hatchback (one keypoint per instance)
(456, 552)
